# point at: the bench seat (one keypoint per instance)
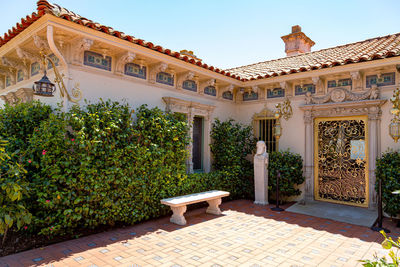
(178, 204)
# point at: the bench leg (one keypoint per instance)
(177, 216)
(213, 206)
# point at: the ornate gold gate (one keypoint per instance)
(341, 160)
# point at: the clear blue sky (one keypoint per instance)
(230, 33)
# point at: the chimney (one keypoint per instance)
(297, 42)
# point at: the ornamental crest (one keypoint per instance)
(338, 95)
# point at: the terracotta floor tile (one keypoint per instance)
(245, 235)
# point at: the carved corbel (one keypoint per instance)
(26, 56)
(4, 98)
(159, 67)
(229, 88)
(40, 43)
(9, 73)
(356, 80)
(203, 85)
(15, 65)
(79, 48)
(183, 77)
(128, 57)
(24, 94)
(317, 81)
(11, 98)
(286, 86)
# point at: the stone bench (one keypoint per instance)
(178, 204)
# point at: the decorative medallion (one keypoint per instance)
(20, 75)
(249, 96)
(35, 68)
(227, 95)
(210, 90)
(97, 60)
(276, 92)
(386, 79)
(135, 70)
(302, 90)
(165, 78)
(55, 60)
(189, 85)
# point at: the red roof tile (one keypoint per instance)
(371, 49)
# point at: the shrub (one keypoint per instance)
(388, 170)
(388, 243)
(106, 168)
(14, 188)
(18, 122)
(232, 143)
(290, 166)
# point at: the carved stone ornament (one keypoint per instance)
(255, 89)
(183, 77)
(40, 43)
(338, 95)
(22, 95)
(210, 82)
(79, 48)
(228, 88)
(159, 67)
(187, 107)
(15, 65)
(26, 56)
(128, 57)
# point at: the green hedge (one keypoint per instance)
(388, 170)
(290, 166)
(97, 165)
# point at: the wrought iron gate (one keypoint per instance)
(341, 160)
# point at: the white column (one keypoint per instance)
(309, 164)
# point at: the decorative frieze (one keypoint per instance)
(380, 80)
(97, 60)
(126, 58)
(227, 95)
(186, 81)
(276, 92)
(249, 96)
(342, 94)
(21, 95)
(207, 83)
(303, 89)
(135, 70)
(210, 90)
(79, 48)
(155, 69)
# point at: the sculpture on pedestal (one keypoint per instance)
(261, 174)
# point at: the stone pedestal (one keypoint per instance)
(261, 174)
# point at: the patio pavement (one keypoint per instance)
(245, 235)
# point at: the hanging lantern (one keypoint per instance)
(44, 87)
(394, 129)
(277, 131)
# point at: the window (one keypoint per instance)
(197, 150)
(97, 60)
(263, 127)
(190, 85)
(265, 133)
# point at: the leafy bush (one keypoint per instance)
(18, 123)
(290, 166)
(388, 170)
(14, 187)
(388, 243)
(232, 143)
(106, 168)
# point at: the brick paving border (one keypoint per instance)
(245, 235)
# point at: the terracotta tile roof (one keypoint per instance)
(44, 7)
(371, 49)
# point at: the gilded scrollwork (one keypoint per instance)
(342, 161)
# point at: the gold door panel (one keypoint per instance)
(341, 160)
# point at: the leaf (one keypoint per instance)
(8, 220)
